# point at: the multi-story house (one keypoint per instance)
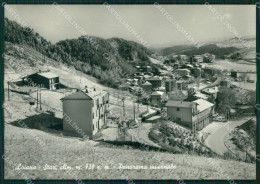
(44, 79)
(212, 93)
(155, 81)
(170, 85)
(87, 108)
(157, 98)
(194, 115)
(147, 86)
(183, 72)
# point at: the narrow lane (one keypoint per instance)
(216, 139)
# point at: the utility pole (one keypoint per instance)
(138, 95)
(134, 110)
(138, 103)
(246, 152)
(8, 91)
(123, 99)
(118, 98)
(108, 98)
(40, 100)
(37, 98)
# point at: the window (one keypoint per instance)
(178, 109)
(97, 102)
(93, 127)
(93, 115)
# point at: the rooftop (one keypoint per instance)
(203, 104)
(173, 103)
(211, 90)
(183, 70)
(154, 78)
(48, 75)
(83, 95)
(198, 56)
(157, 93)
(200, 95)
(146, 84)
(170, 80)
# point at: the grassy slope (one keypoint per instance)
(23, 148)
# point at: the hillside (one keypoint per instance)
(102, 58)
(221, 49)
(22, 147)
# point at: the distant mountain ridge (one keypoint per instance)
(221, 48)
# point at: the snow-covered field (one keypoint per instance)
(228, 65)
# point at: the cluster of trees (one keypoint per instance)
(190, 50)
(106, 62)
(227, 98)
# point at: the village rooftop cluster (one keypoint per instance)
(183, 90)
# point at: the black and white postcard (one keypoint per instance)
(131, 92)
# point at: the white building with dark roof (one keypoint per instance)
(85, 109)
(157, 97)
(194, 115)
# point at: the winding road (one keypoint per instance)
(216, 140)
(141, 135)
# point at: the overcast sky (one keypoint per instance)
(146, 20)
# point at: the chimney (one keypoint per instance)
(86, 91)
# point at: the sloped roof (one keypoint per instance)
(170, 80)
(173, 103)
(211, 90)
(158, 93)
(83, 95)
(48, 75)
(200, 95)
(146, 84)
(184, 69)
(80, 95)
(154, 78)
(203, 104)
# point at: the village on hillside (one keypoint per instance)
(129, 92)
(177, 108)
